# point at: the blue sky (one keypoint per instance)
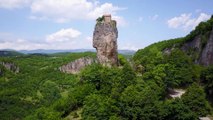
(69, 24)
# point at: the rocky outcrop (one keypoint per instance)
(10, 66)
(193, 48)
(206, 57)
(1, 72)
(204, 53)
(195, 44)
(105, 41)
(201, 52)
(77, 65)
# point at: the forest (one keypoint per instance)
(136, 90)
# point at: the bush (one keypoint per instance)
(195, 99)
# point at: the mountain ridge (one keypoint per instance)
(52, 51)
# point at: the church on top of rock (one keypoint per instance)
(107, 18)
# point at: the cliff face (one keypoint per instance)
(10, 66)
(1, 72)
(206, 57)
(204, 54)
(195, 46)
(75, 66)
(105, 42)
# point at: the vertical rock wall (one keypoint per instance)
(206, 57)
(105, 41)
(77, 65)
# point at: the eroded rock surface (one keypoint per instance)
(1, 72)
(10, 66)
(77, 65)
(195, 44)
(105, 41)
(206, 57)
(201, 53)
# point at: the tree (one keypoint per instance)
(65, 105)
(100, 19)
(98, 107)
(44, 114)
(179, 69)
(93, 74)
(174, 110)
(207, 79)
(195, 99)
(158, 74)
(139, 101)
(103, 78)
(50, 92)
(128, 76)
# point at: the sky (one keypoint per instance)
(69, 24)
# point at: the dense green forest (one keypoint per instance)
(136, 90)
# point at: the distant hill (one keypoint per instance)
(51, 51)
(126, 52)
(44, 52)
(8, 53)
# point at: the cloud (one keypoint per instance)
(21, 44)
(32, 17)
(12, 4)
(89, 39)
(63, 35)
(62, 11)
(120, 20)
(24, 44)
(186, 22)
(128, 46)
(99, 10)
(60, 40)
(67, 10)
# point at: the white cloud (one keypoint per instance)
(67, 10)
(61, 40)
(128, 46)
(62, 11)
(186, 22)
(99, 10)
(32, 17)
(179, 21)
(89, 39)
(120, 20)
(12, 4)
(23, 44)
(63, 35)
